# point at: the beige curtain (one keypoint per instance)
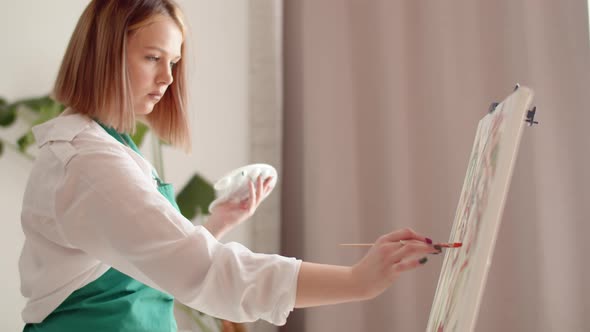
(382, 99)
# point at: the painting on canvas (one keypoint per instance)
(478, 215)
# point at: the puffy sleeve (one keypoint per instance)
(107, 207)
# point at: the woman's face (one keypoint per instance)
(152, 51)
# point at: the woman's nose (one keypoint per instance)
(165, 75)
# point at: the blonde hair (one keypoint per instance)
(93, 75)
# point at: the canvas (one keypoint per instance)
(478, 216)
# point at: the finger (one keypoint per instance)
(246, 204)
(268, 181)
(408, 264)
(253, 196)
(267, 185)
(412, 249)
(259, 190)
(405, 234)
(387, 250)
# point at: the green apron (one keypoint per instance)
(114, 302)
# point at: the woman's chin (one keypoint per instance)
(145, 109)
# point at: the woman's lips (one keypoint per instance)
(155, 96)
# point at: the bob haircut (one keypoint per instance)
(93, 77)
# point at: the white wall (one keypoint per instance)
(34, 35)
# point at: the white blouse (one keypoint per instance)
(91, 203)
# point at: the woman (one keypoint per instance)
(106, 248)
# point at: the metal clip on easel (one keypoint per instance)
(530, 115)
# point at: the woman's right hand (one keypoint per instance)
(392, 254)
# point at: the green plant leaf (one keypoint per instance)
(40, 109)
(37, 104)
(7, 114)
(25, 141)
(140, 131)
(48, 111)
(195, 197)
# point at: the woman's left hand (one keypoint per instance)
(227, 215)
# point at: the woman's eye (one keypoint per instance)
(172, 64)
(152, 58)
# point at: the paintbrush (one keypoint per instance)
(436, 246)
